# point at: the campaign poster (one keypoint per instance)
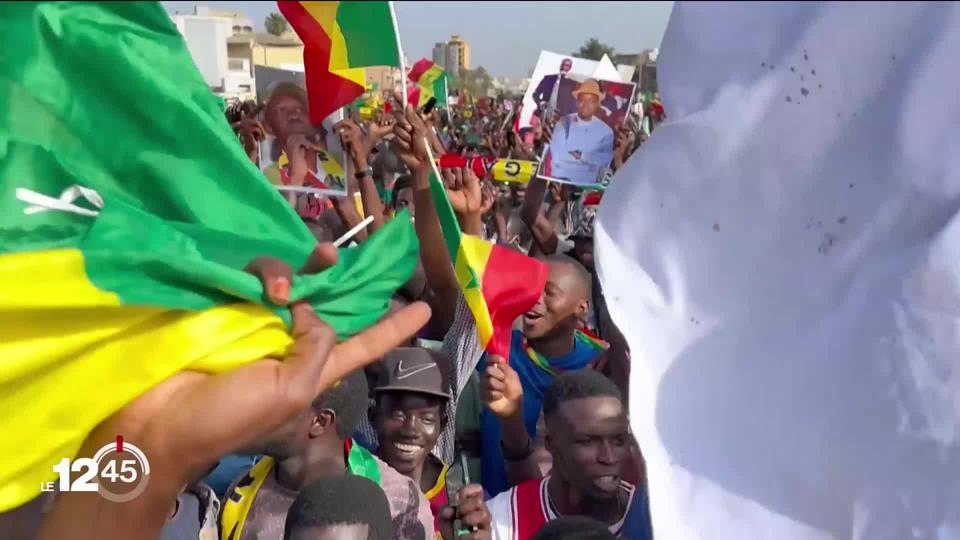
(550, 68)
(588, 114)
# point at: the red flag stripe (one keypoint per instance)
(512, 284)
(419, 69)
(326, 91)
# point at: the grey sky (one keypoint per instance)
(506, 37)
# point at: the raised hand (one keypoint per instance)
(351, 137)
(187, 422)
(251, 132)
(472, 512)
(488, 197)
(381, 128)
(500, 388)
(411, 140)
(463, 190)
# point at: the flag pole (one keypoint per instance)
(403, 67)
(446, 90)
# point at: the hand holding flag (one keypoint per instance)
(190, 420)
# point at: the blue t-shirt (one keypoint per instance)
(534, 379)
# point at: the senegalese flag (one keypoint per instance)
(338, 38)
(498, 284)
(140, 276)
(431, 82)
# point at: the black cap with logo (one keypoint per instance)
(413, 369)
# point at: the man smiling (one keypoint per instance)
(548, 344)
(410, 414)
(589, 440)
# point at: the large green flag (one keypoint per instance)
(136, 272)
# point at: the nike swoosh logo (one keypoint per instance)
(404, 373)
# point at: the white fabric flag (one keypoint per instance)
(783, 256)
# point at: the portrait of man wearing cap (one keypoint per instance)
(582, 143)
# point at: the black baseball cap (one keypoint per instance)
(413, 369)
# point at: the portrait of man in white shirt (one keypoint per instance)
(582, 145)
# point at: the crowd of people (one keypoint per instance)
(436, 439)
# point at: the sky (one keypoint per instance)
(505, 37)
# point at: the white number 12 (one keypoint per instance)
(83, 482)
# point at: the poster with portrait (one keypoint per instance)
(588, 114)
(550, 68)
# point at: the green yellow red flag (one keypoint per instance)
(127, 212)
(498, 284)
(431, 82)
(339, 39)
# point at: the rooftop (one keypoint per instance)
(263, 38)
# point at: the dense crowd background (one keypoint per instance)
(438, 439)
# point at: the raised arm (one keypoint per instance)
(540, 227)
(502, 393)
(411, 140)
(359, 149)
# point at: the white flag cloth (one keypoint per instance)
(783, 256)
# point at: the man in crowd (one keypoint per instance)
(339, 508)
(581, 146)
(548, 342)
(317, 443)
(409, 414)
(402, 196)
(589, 441)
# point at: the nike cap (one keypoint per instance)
(413, 369)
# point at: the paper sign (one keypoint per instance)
(513, 170)
(589, 113)
(544, 79)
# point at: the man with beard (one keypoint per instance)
(589, 440)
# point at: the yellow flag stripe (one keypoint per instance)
(474, 253)
(104, 356)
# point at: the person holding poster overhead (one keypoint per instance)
(582, 144)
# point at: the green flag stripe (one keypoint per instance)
(368, 31)
(448, 219)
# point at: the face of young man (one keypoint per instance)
(587, 105)
(408, 426)
(562, 304)
(588, 440)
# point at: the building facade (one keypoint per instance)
(646, 73)
(462, 49)
(452, 55)
(206, 37)
(440, 54)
